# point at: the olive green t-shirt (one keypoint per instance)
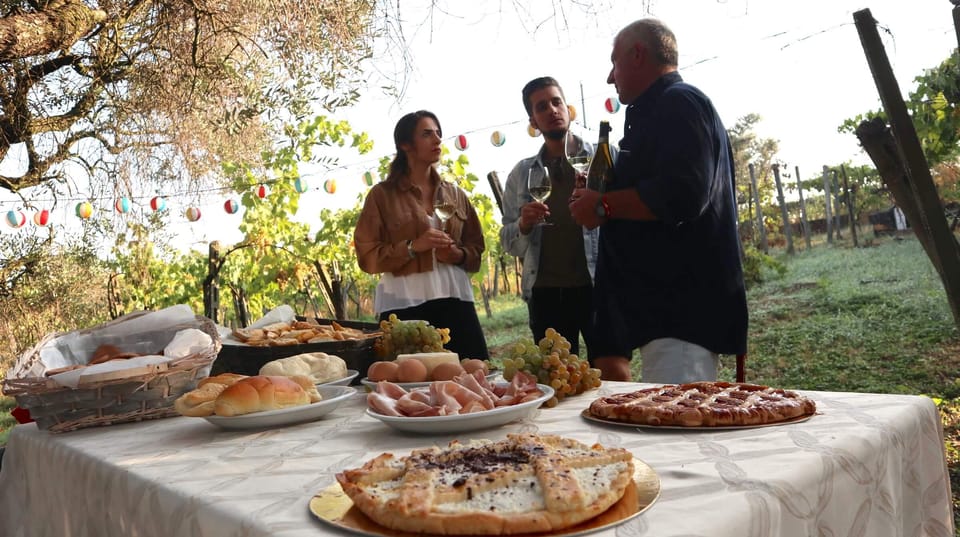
(562, 261)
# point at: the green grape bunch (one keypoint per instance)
(409, 337)
(551, 363)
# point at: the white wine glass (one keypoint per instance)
(443, 206)
(539, 185)
(578, 159)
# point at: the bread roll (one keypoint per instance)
(199, 402)
(227, 379)
(308, 386)
(319, 366)
(259, 393)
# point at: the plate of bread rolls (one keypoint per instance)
(234, 401)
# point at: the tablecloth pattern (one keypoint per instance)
(865, 465)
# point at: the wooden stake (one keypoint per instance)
(803, 209)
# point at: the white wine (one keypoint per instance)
(444, 211)
(540, 193)
(601, 167)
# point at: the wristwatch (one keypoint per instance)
(410, 251)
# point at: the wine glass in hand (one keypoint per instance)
(539, 185)
(577, 157)
(443, 206)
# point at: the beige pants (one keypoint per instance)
(674, 361)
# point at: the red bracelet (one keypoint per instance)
(606, 207)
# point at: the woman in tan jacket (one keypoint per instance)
(424, 268)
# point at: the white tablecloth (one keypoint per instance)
(866, 465)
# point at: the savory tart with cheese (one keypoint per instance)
(526, 483)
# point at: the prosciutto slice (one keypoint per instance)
(464, 394)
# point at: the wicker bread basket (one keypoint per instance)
(136, 394)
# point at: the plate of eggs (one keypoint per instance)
(417, 370)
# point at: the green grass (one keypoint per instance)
(6, 420)
(861, 320)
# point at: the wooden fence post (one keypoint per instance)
(761, 231)
(826, 204)
(851, 203)
(783, 209)
(899, 158)
(803, 210)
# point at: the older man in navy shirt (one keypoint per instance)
(669, 278)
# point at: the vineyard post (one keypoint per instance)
(956, 21)
(762, 231)
(850, 205)
(900, 160)
(497, 189)
(211, 286)
(826, 204)
(803, 209)
(783, 209)
(837, 202)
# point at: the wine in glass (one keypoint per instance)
(539, 185)
(577, 157)
(443, 206)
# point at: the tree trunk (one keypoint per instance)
(783, 209)
(851, 204)
(211, 285)
(761, 230)
(331, 289)
(57, 27)
(485, 294)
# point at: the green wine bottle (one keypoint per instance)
(600, 172)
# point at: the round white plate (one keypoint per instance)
(333, 397)
(345, 381)
(411, 385)
(465, 422)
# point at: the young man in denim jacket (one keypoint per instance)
(559, 257)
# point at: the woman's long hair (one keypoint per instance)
(403, 134)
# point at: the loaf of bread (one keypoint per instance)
(107, 352)
(260, 393)
(431, 359)
(318, 366)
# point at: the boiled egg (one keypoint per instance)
(383, 371)
(411, 371)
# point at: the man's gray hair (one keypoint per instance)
(656, 37)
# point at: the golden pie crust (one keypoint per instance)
(704, 404)
(524, 484)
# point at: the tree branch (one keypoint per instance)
(57, 27)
